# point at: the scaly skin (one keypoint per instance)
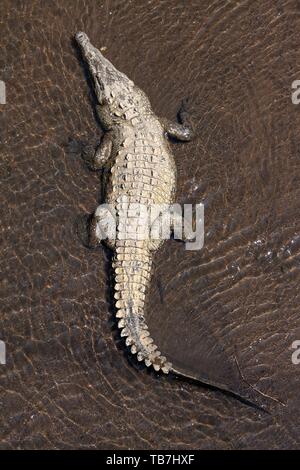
(142, 170)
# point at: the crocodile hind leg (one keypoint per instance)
(104, 225)
(171, 222)
(182, 130)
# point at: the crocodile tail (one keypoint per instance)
(132, 266)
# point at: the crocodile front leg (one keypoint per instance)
(182, 130)
(99, 227)
(94, 156)
(97, 157)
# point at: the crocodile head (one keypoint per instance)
(113, 89)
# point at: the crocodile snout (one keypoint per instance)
(81, 37)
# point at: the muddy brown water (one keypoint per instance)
(68, 382)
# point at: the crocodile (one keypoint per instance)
(140, 169)
(138, 159)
